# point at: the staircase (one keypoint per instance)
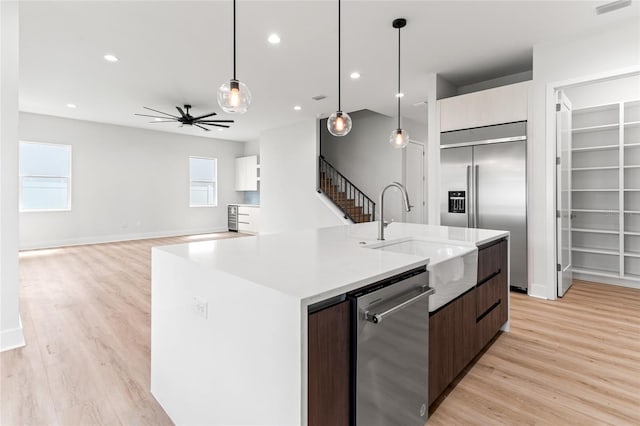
(355, 205)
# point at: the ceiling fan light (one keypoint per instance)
(399, 138)
(234, 97)
(339, 123)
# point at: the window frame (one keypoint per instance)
(215, 182)
(69, 179)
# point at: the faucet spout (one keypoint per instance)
(405, 200)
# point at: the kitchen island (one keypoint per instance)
(229, 318)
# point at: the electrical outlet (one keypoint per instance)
(201, 307)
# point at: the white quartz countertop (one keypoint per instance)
(317, 264)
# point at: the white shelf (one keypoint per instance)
(595, 231)
(596, 251)
(597, 272)
(595, 211)
(599, 249)
(595, 128)
(586, 169)
(597, 148)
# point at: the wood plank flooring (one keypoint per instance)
(86, 313)
(86, 318)
(575, 361)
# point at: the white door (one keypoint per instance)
(563, 192)
(414, 181)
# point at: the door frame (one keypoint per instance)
(551, 153)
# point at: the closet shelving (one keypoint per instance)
(606, 193)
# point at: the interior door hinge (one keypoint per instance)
(558, 107)
(557, 213)
(558, 160)
(558, 267)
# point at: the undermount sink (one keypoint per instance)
(453, 269)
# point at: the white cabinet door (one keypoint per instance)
(247, 173)
(504, 104)
(249, 219)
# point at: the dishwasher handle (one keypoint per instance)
(377, 318)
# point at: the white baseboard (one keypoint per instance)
(622, 282)
(99, 239)
(12, 338)
(538, 290)
(333, 208)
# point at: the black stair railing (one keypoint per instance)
(344, 194)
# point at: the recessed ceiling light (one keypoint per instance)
(110, 58)
(355, 75)
(399, 95)
(297, 107)
(157, 119)
(220, 129)
(274, 39)
(72, 106)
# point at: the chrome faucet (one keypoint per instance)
(405, 199)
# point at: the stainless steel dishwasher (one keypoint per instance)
(391, 356)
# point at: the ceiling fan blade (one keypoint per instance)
(155, 110)
(155, 116)
(215, 121)
(181, 112)
(205, 116)
(217, 125)
(203, 128)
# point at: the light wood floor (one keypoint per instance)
(86, 313)
(575, 361)
(86, 317)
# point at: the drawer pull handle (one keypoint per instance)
(488, 311)
(493, 274)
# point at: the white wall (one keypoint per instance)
(367, 159)
(288, 182)
(604, 92)
(11, 335)
(127, 183)
(584, 57)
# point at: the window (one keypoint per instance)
(45, 176)
(203, 176)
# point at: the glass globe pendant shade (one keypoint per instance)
(339, 123)
(234, 97)
(399, 138)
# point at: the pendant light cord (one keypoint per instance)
(339, 57)
(234, 39)
(398, 94)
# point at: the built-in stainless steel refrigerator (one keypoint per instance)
(484, 185)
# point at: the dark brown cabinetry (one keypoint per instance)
(459, 330)
(329, 346)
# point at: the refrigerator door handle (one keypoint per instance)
(469, 197)
(475, 196)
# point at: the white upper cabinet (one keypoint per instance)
(247, 173)
(504, 104)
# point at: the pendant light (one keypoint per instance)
(339, 123)
(234, 96)
(399, 138)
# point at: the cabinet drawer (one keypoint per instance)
(491, 260)
(490, 322)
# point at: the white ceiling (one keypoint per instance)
(177, 52)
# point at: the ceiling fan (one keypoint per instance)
(187, 118)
